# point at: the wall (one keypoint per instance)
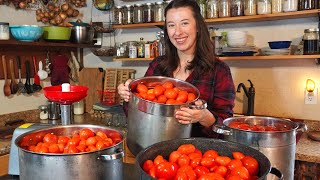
(279, 84)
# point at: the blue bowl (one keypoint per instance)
(279, 44)
(27, 33)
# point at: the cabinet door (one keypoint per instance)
(4, 161)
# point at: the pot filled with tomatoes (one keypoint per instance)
(274, 137)
(151, 110)
(71, 152)
(202, 159)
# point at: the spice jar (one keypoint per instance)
(148, 13)
(264, 7)
(224, 8)
(122, 50)
(118, 15)
(307, 4)
(78, 107)
(237, 8)
(212, 9)
(128, 14)
(250, 7)
(138, 13)
(4, 31)
(203, 8)
(158, 12)
(290, 5)
(311, 41)
(43, 112)
(132, 46)
(276, 6)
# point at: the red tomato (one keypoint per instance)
(151, 97)
(182, 98)
(211, 176)
(251, 164)
(91, 141)
(181, 176)
(142, 88)
(171, 101)
(195, 162)
(238, 155)
(85, 133)
(234, 163)
(233, 177)
(81, 147)
(166, 170)
(50, 138)
(159, 159)
(53, 148)
(158, 90)
(194, 155)
(147, 165)
(201, 170)
(191, 97)
(168, 85)
(186, 148)
(207, 162)
(143, 95)
(222, 160)
(63, 140)
(171, 94)
(100, 145)
(189, 171)
(162, 99)
(152, 172)
(240, 171)
(211, 153)
(174, 156)
(222, 170)
(183, 160)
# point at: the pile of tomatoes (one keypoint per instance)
(248, 127)
(189, 163)
(165, 93)
(84, 140)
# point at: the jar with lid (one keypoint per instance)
(264, 7)
(158, 12)
(132, 48)
(122, 50)
(307, 4)
(224, 8)
(140, 48)
(203, 8)
(276, 6)
(118, 15)
(237, 8)
(250, 7)
(128, 14)
(290, 5)
(78, 107)
(138, 13)
(4, 31)
(212, 9)
(148, 13)
(311, 41)
(165, 3)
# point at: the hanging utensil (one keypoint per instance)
(36, 79)
(21, 87)
(41, 73)
(6, 87)
(14, 85)
(48, 64)
(28, 85)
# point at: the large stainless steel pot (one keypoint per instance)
(278, 146)
(96, 165)
(224, 148)
(150, 122)
(82, 34)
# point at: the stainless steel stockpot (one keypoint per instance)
(101, 164)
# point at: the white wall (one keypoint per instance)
(279, 84)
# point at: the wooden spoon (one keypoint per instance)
(6, 87)
(14, 85)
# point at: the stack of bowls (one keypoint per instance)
(277, 48)
(237, 38)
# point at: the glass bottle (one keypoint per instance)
(276, 6)
(237, 8)
(132, 48)
(138, 13)
(290, 5)
(212, 9)
(203, 8)
(250, 7)
(307, 4)
(264, 7)
(128, 14)
(158, 12)
(148, 13)
(224, 8)
(140, 48)
(118, 15)
(311, 41)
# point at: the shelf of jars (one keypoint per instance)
(238, 19)
(275, 57)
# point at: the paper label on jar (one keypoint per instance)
(132, 52)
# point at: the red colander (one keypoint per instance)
(55, 94)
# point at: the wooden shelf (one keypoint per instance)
(240, 19)
(132, 59)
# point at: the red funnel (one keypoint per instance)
(55, 94)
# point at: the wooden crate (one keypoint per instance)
(114, 77)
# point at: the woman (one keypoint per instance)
(190, 57)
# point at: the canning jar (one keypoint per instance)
(158, 12)
(118, 15)
(307, 4)
(203, 8)
(276, 6)
(250, 7)
(148, 13)
(132, 47)
(122, 50)
(128, 14)
(4, 31)
(311, 41)
(290, 5)
(237, 8)
(140, 48)
(138, 13)
(212, 9)
(264, 7)
(224, 8)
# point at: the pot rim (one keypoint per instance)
(90, 126)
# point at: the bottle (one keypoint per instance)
(140, 48)
(311, 41)
(78, 107)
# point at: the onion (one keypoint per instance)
(63, 15)
(65, 7)
(38, 11)
(38, 18)
(51, 7)
(22, 5)
(75, 13)
(70, 12)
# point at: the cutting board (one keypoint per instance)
(93, 79)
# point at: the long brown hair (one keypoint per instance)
(204, 55)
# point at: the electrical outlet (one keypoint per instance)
(311, 97)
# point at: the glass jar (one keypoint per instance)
(140, 48)
(4, 31)
(165, 3)
(290, 5)
(118, 15)
(307, 4)
(128, 14)
(224, 8)
(264, 7)
(276, 6)
(122, 50)
(250, 7)
(203, 8)
(132, 48)
(138, 13)
(148, 13)
(237, 8)
(158, 12)
(78, 107)
(311, 41)
(212, 9)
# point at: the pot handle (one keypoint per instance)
(198, 104)
(301, 127)
(220, 130)
(107, 157)
(277, 173)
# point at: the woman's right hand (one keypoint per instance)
(123, 90)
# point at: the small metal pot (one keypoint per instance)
(82, 34)
(101, 164)
(224, 148)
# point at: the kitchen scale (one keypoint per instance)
(54, 94)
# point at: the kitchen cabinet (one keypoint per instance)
(4, 162)
(239, 19)
(307, 170)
